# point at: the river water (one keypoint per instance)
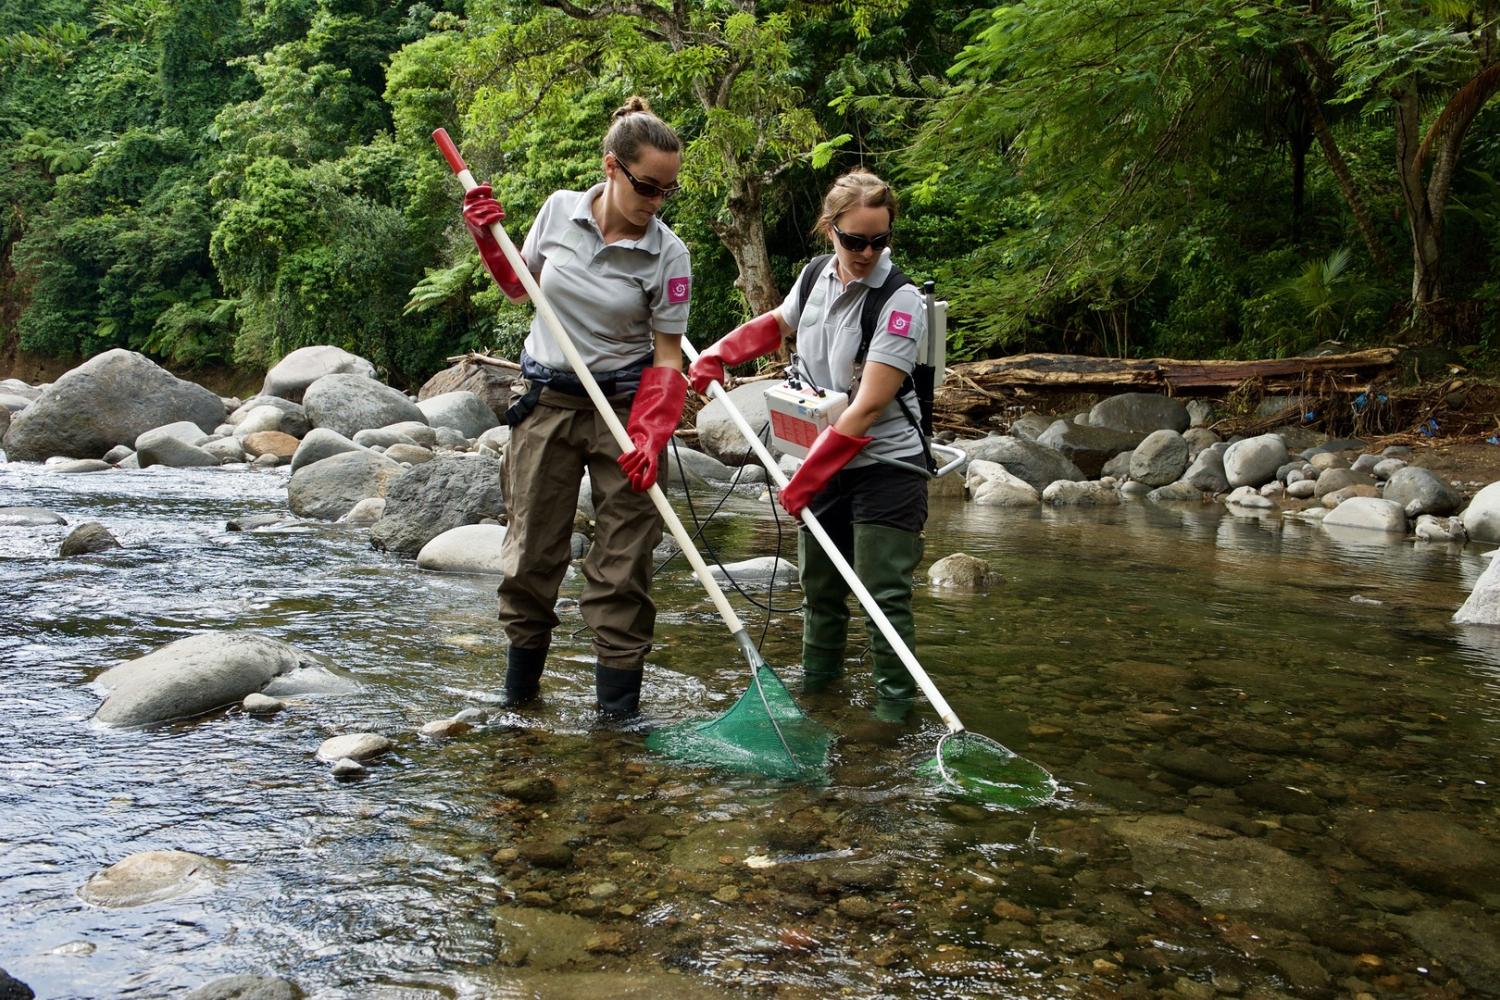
(1264, 689)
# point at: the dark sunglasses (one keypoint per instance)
(856, 244)
(644, 188)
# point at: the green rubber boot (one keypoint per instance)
(884, 559)
(825, 615)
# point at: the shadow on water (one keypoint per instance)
(1191, 677)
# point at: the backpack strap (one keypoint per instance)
(810, 275)
(869, 315)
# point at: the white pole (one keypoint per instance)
(560, 337)
(866, 599)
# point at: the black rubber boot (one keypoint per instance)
(825, 615)
(523, 675)
(619, 691)
(885, 559)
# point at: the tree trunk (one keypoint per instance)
(1345, 178)
(744, 234)
(1425, 227)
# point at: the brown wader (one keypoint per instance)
(545, 460)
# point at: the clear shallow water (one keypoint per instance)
(1304, 659)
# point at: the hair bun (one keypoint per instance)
(633, 105)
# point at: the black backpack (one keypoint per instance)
(922, 379)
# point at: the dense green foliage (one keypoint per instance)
(217, 181)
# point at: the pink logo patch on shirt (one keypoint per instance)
(679, 289)
(899, 324)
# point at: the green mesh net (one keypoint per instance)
(979, 768)
(763, 733)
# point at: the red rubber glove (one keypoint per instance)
(829, 453)
(654, 415)
(481, 210)
(760, 336)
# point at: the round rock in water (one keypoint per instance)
(259, 704)
(461, 410)
(91, 536)
(961, 571)
(346, 767)
(760, 572)
(150, 877)
(321, 443)
(1482, 516)
(192, 676)
(329, 488)
(469, 548)
(1370, 513)
(292, 375)
(355, 746)
(1254, 461)
(1431, 493)
(365, 512)
(81, 465)
(449, 491)
(1483, 604)
(352, 403)
(247, 988)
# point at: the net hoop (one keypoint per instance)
(951, 778)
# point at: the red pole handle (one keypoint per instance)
(450, 151)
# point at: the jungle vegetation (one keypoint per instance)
(218, 182)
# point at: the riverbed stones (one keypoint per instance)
(29, 517)
(468, 548)
(698, 467)
(408, 454)
(365, 512)
(150, 877)
(349, 404)
(1464, 938)
(1482, 516)
(1440, 529)
(192, 676)
(282, 446)
(247, 988)
(79, 466)
(175, 445)
(1248, 498)
(1181, 491)
(355, 746)
(1429, 850)
(1368, 513)
(1139, 413)
(1483, 604)
(1159, 459)
(1031, 462)
(1254, 461)
(990, 484)
(292, 419)
(1063, 493)
(1431, 494)
(110, 399)
(266, 417)
(1085, 446)
(1206, 471)
(328, 488)
(225, 449)
(1333, 480)
(88, 538)
(259, 704)
(290, 377)
(461, 410)
(318, 444)
(1230, 873)
(961, 571)
(450, 490)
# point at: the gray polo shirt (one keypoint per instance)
(608, 298)
(827, 331)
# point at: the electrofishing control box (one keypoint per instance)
(799, 415)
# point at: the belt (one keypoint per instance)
(539, 376)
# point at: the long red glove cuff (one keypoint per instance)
(481, 210)
(751, 340)
(832, 450)
(654, 415)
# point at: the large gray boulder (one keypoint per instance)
(192, 676)
(1369, 513)
(1089, 448)
(110, 399)
(1482, 516)
(351, 403)
(462, 411)
(1159, 459)
(1036, 464)
(468, 548)
(1483, 604)
(989, 485)
(449, 491)
(1254, 461)
(1206, 473)
(291, 376)
(1430, 493)
(717, 434)
(330, 488)
(1139, 413)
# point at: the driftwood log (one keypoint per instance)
(975, 390)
